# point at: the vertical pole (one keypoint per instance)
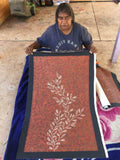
(116, 49)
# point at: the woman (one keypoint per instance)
(65, 35)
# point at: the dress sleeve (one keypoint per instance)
(86, 37)
(43, 39)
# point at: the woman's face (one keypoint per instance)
(64, 22)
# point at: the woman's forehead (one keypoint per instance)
(63, 14)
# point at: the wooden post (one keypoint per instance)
(4, 10)
(116, 49)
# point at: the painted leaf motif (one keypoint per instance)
(63, 135)
(48, 139)
(56, 99)
(64, 119)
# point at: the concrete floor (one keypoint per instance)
(102, 20)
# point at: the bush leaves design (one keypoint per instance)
(64, 120)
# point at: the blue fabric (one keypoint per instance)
(54, 39)
(18, 117)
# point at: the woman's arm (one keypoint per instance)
(34, 45)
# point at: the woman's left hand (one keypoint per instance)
(92, 49)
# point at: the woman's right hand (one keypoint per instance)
(29, 50)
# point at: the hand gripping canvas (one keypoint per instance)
(61, 119)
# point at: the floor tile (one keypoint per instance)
(85, 16)
(107, 17)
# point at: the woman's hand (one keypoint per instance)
(92, 49)
(30, 48)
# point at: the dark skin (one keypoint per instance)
(92, 49)
(65, 25)
(30, 48)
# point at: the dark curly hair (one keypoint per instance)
(64, 8)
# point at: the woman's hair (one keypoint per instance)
(64, 8)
